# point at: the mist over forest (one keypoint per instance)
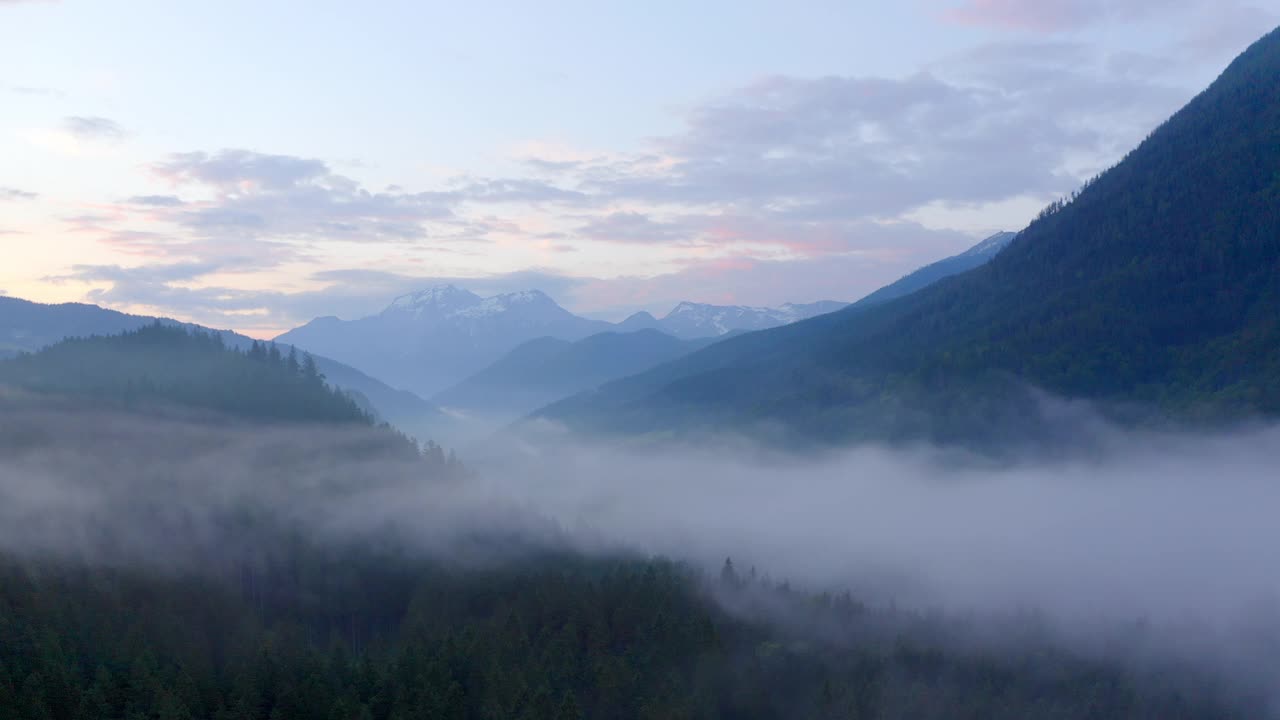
(1032, 477)
(1149, 555)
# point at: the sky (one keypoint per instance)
(254, 164)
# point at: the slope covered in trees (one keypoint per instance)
(1154, 286)
(165, 364)
(30, 327)
(352, 636)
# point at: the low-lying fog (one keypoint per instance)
(1152, 525)
(1166, 528)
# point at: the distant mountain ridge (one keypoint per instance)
(432, 339)
(547, 369)
(28, 327)
(428, 340)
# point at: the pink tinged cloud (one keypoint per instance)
(1050, 16)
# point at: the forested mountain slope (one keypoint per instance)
(161, 373)
(28, 326)
(1155, 285)
(159, 364)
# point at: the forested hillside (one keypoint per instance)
(1153, 287)
(165, 364)
(31, 327)
(165, 368)
(355, 636)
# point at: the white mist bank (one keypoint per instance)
(1156, 525)
(1175, 530)
(1161, 550)
(1168, 526)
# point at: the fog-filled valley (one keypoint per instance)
(871, 582)
(1033, 478)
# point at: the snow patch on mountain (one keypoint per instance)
(690, 319)
(503, 303)
(443, 298)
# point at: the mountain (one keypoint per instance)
(975, 256)
(429, 340)
(697, 320)
(547, 369)
(639, 321)
(27, 326)
(1155, 286)
(171, 365)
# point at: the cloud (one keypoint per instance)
(631, 227)
(1228, 29)
(547, 166)
(141, 274)
(244, 212)
(1217, 27)
(806, 165)
(240, 169)
(161, 287)
(11, 194)
(35, 91)
(258, 195)
(1055, 15)
(515, 190)
(93, 128)
(746, 279)
(851, 147)
(156, 200)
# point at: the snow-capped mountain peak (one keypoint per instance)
(524, 299)
(432, 338)
(446, 299)
(525, 296)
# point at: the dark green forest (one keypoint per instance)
(1152, 291)
(343, 634)
(219, 566)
